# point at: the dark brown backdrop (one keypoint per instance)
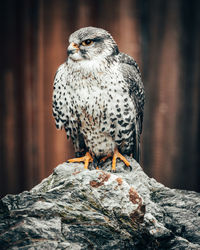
(164, 38)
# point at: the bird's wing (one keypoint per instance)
(132, 76)
(59, 81)
(63, 111)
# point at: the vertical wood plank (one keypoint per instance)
(165, 147)
(57, 148)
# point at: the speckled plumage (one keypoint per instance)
(98, 96)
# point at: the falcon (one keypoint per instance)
(98, 98)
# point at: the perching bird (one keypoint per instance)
(98, 98)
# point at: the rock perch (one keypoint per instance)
(95, 209)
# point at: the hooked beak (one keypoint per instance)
(73, 48)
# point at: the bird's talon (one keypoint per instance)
(105, 158)
(121, 157)
(86, 159)
(128, 167)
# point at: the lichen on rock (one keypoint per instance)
(95, 209)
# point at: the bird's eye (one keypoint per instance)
(87, 42)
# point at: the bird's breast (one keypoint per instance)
(103, 110)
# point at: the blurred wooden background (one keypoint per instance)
(164, 38)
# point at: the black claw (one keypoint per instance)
(128, 167)
(90, 166)
(95, 162)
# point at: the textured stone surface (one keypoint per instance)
(79, 209)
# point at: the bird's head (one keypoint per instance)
(91, 43)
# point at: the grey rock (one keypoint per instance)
(95, 209)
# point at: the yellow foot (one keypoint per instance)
(105, 157)
(121, 157)
(86, 159)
